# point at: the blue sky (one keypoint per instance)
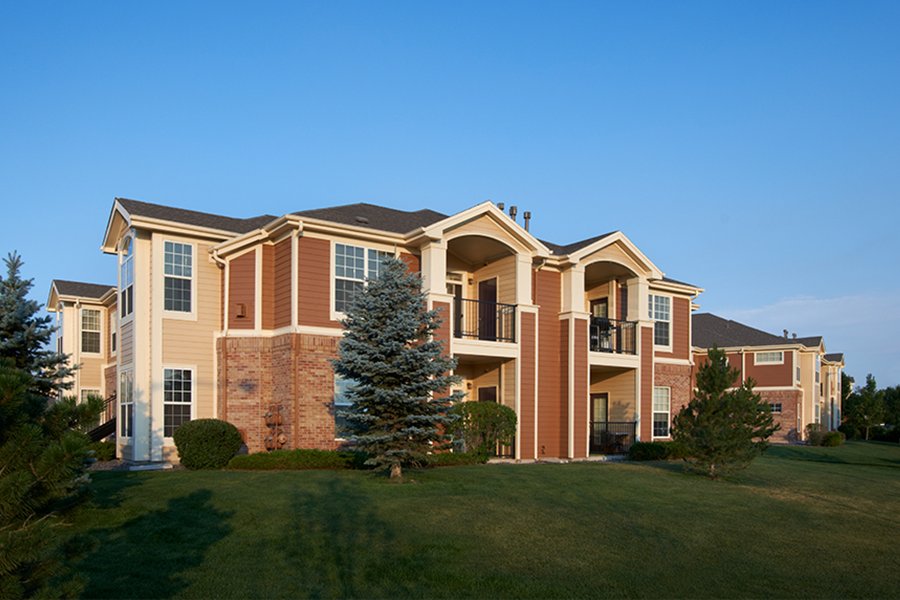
(750, 148)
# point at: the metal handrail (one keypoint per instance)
(482, 320)
(613, 336)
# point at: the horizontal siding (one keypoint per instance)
(242, 290)
(282, 284)
(681, 335)
(268, 287)
(127, 343)
(547, 297)
(314, 285)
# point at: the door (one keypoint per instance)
(600, 437)
(487, 309)
(601, 338)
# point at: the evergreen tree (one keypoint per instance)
(397, 371)
(43, 463)
(25, 337)
(892, 406)
(865, 406)
(725, 426)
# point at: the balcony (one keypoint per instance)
(608, 437)
(481, 320)
(613, 336)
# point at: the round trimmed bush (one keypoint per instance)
(833, 438)
(206, 443)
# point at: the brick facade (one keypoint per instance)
(289, 375)
(790, 403)
(678, 379)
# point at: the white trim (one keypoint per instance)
(652, 311)
(664, 360)
(757, 362)
(654, 412)
(169, 441)
(82, 330)
(160, 263)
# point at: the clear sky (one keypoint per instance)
(750, 148)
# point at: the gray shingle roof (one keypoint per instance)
(192, 217)
(375, 217)
(809, 342)
(676, 282)
(708, 329)
(81, 289)
(574, 247)
(835, 357)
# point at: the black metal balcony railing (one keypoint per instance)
(612, 335)
(612, 437)
(480, 320)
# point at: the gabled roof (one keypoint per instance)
(708, 329)
(574, 247)
(676, 282)
(835, 357)
(810, 342)
(192, 217)
(375, 217)
(94, 291)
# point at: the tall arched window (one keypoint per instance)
(126, 279)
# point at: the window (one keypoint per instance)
(126, 403)
(126, 280)
(177, 285)
(798, 374)
(661, 312)
(341, 402)
(59, 328)
(177, 394)
(113, 328)
(661, 404)
(776, 407)
(90, 330)
(770, 358)
(818, 367)
(86, 393)
(352, 265)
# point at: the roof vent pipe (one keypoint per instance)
(512, 212)
(785, 334)
(527, 216)
(500, 205)
(795, 336)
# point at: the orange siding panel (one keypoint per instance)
(582, 385)
(547, 296)
(268, 287)
(242, 291)
(771, 375)
(314, 293)
(412, 261)
(526, 382)
(646, 384)
(681, 321)
(562, 420)
(282, 284)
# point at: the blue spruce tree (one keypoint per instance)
(396, 369)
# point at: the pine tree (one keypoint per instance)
(25, 337)
(43, 462)
(397, 371)
(865, 406)
(724, 427)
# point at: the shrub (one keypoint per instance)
(298, 460)
(206, 443)
(483, 425)
(849, 430)
(103, 451)
(657, 451)
(455, 459)
(815, 434)
(833, 438)
(887, 435)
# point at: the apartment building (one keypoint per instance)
(238, 319)
(799, 380)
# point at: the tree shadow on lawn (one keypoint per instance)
(144, 558)
(108, 488)
(341, 548)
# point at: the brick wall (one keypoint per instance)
(293, 372)
(790, 402)
(678, 379)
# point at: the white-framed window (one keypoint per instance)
(59, 328)
(352, 265)
(126, 404)
(818, 367)
(178, 269)
(768, 358)
(661, 411)
(776, 407)
(113, 332)
(90, 331)
(85, 393)
(178, 395)
(126, 279)
(798, 374)
(341, 402)
(660, 310)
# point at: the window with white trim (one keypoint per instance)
(113, 330)
(90, 330)
(661, 411)
(798, 374)
(178, 274)
(660, 310)
(341, 402)
(178, 393)
(126, 403)
(768, 358)
(352, 265)
(818, 368)
(86, 393)
(59, 328)
(126, 280)
(776, 407)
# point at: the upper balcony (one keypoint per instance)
(483, 320)
(613, 336)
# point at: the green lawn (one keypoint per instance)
(818, 522)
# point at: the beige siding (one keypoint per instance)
(509, 384)
(487, 227)
(190, 343)
(127, 343)
(616, 254)
(504, 270)
(620, 386)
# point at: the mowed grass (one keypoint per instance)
(815, 522)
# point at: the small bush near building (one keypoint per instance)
(483, 425)
(815, 434)
(299, 460)
(833, 438)
(849, 430)
(104, 451)
(656, 451)
(206, 443)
